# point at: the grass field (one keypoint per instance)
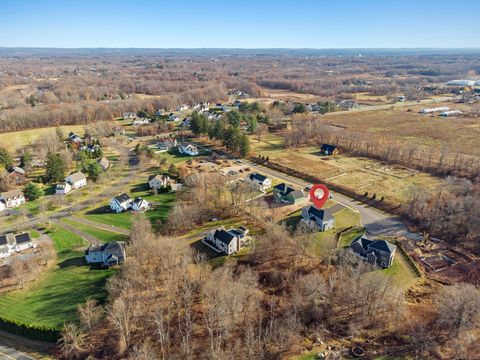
(53, 298)
(99, 234)
(18, 139)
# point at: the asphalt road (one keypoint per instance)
(7, 353)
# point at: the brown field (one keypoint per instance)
(285, 95)
(356, 173)
(459, 133)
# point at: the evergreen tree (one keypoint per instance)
(55, 168)
(243, 145)
(5, 158)
(32, 191)
(94, 170)
(26, 160)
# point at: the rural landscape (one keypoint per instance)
(239, 203)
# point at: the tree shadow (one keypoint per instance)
(100, 210)
(72, 262)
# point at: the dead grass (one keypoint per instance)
(458, 133)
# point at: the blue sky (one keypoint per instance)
(240, 24)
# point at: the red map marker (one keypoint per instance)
(318, 195)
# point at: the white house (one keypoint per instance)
(226, 241)
(182, 107)
(2, 205)
(63, 188)
(159, 112)
(188, 149)
(259, 181)
(434, 110)
(120, 203)
(321, 220)
(129, 115)
(104, 163)
(11, 243)
(109, 254)
(451, 113)
(161, 182)
(12, 198)
(140, 204)
(141, 121)
(76, 180)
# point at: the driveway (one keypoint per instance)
(7, 353)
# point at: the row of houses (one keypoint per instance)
(13, 243)
(73, 181)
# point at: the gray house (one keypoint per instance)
(286, 194)
(375, 252)
(109, 254)
(319, 219)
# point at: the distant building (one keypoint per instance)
(74, 138)
(141, 121)
(188, 149)
(434, 110)
(173, 117)
(11, 243)
(109, 254)
(63, 188)
(286, 194)
(182, 107)
(76, 180)
(13, 198)
(159, 182)
(120, 203)
(327, 149)
(259, 181)
(451, 113)
(316, 218)
(129, 115)
(347, 104)
(104, 163)
(462, 82)
(18, 175)
(400, 98)
(376, 252)
(227, 241)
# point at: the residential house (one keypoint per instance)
(63, 188)
(347, 104)
(104, 163)
(129, 115)
(11, 243)
(108, 254)
(227, 241)
(316, 218)
(314, 107)
(286, 194)
(327, 149)
(182, 107)
(259, 181)
(186, 122)
(91, 148)
(74, 138)
(375, 252)
(140, 204)
(76, 180)
(121, 203)
(160, 112)
(188, 149)
(18, 175)
(2, 205)
(237, 103)
(12, 198)
(141, 121)
(166, 144)
(400, 98)
(159, 182)
(222, 107)
(173, 117)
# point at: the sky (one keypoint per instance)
(315, 24)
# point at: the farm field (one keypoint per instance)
(18, 139)
(358, 174)
(420, 129)
(52, 299)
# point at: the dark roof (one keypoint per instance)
(3, 240)
(320, 214)
(223, 236)
(22, 238)
(122, 198)
(297, 194)
(113, 247)
(284, 188)
(328, 147)
(257, 176)
(364, 242)
(382, 245)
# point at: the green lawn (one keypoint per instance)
(99, 234)
(53, 298)
(103, 216)
(348, 236)
(174, 157)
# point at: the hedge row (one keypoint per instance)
(30, 331)
(409, 259)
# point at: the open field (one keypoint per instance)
(18, 139)
(459, 133)
(101, 235)
(358, 174)
(52, 299)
